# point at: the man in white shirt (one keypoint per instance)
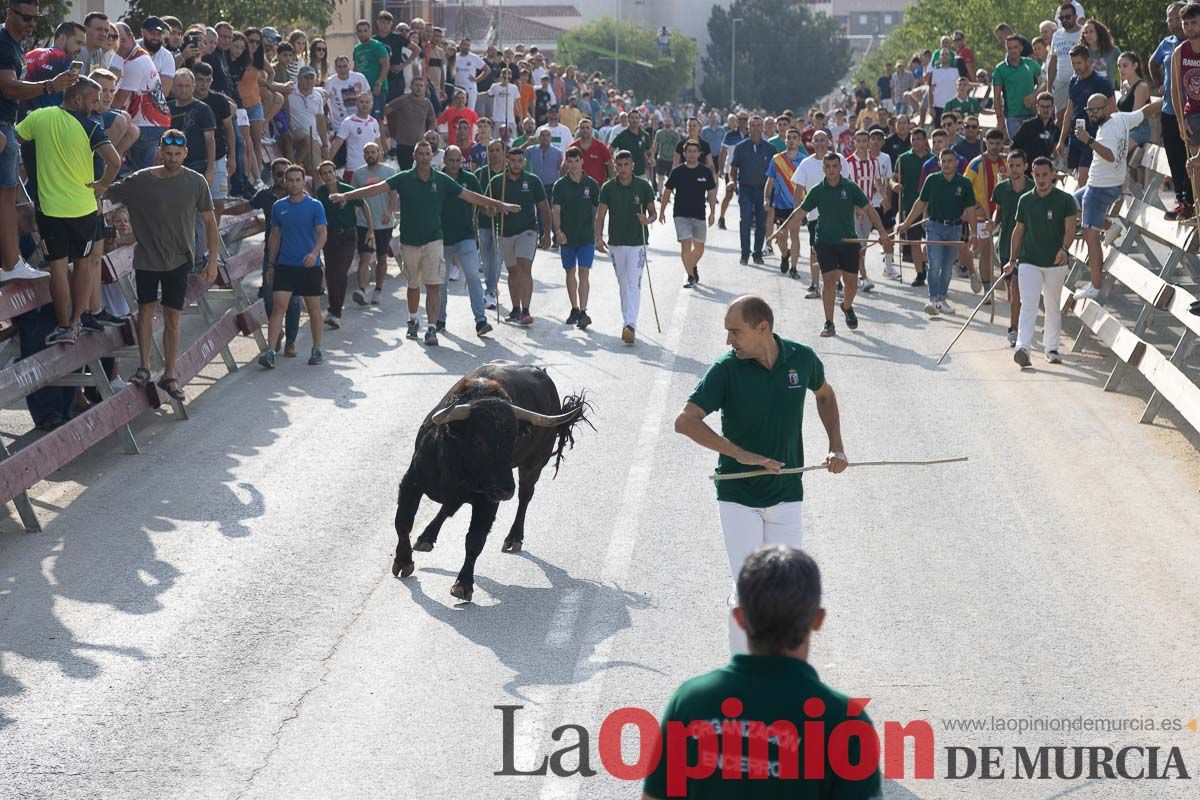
(153, 29)
(505, 94)
(1058, 65)
(1106, 178)
(306, 121)
(560, 135)
(140, 92)
(354, 132)
(342, 90)
(468, 69)
(810, 173)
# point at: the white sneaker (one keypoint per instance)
(946, 307)
(932, 308)
(334, 322)
(890, 271)
(22, 271)
(1053, 357)
(1088, 292)
(455, 273)
(868, 284)
(118, 384)
(489, 301)
(376, 297)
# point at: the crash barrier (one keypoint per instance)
(80, 365)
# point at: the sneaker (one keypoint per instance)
(721, 223)
(758, 260)
(784, 264)
(316, 357)
(376, 297)
(482, 328)
(768, 250)
(440, 326)
(108, 320)
(573, 317)
(851, 318)
(696, 274)
(267, 359)
(987, 301)
(289, 350)
(1180, 211)
(526, 319)
(1021, 356)
(118, 384)
(839, 289)
(513, 316)
(627, 334)
(976, 283)
(1012, 338)
(412, 331)
(360, 296)
(584, 320)
(89, 324)
(1088, 292)
(867, 284)
(828, 329)
(890, 271)
(743, 261)
(919, 280)
(962, 271)
(690, 283)
(813, 292)
(333, 321)
(931, 308)
(946, 307)
(793, 274)
(62, 335)
(431, 337)
(489, 301)
(455, 273)
(1053, 357)
(22, 271)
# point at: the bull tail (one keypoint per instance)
(565, 433)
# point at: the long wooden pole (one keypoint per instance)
(815, 467)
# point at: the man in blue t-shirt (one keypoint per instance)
(1084, 83)
(298, 230)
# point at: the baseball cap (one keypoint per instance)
(271, 35)
(154, 24)
(306, 71)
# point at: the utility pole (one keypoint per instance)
(733, 65)
(617, 48)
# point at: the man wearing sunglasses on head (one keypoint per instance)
(163, 203)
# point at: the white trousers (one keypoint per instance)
(1045, 282)
(629, 262)
(472, 91)
(746, 529)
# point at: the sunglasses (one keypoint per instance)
(112, 37)
(29, 18)
(173, 140)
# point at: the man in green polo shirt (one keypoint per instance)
(1014, 85)
(627, 201)
(458, 238)
(907, 183)
(835, 200)
(1005, 196)
(759, 387)
(423, 193)
(637, 140)
(573, 202)
(950, 200)
(770, 692)
(519, 231)
(1044, 231)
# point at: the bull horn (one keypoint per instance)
(543, 420)
(452, 414)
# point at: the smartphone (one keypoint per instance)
(77, 66)
(1080, 125)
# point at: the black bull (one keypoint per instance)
(498, 417)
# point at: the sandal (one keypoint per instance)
(141, 377)
(171, 387)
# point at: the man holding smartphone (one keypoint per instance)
(44, 63)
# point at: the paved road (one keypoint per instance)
(216, 619)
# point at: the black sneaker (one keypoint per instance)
(513, 316)
(482, 328)
(919, 280)
(108, 320)
(89, 324)
(431, 337)
(696, 274)
(721, 223)
(413, 326)
(690, 283)
(793, 274)
(758, 260)
(828, 330)
(744, 260)
(784, 264)
(1021, 356)
(573, 317)
(61, 335)
(851, 318)
(584, 320)
(441, 325)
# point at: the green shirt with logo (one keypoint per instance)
(836, 205)
(526, 192)
(1005, 197)
(421, 204)
(909, 166)
(339, 215)
(947, 199)
(624, 204)
(773, 691)
(970, 106)
(1017, 82)
(637, 144)
(1045, 223)
(762, 411)
(577, 203)
(778, 143)
(458, 216)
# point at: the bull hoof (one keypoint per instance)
(511, 547)
(462, 592)
(401, 570)
(422, 546)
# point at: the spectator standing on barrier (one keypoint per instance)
(408, 117)
(163, 203)
(375, 232)
(573, 201)
(224, 139)
(748, 172)
(1041, 238)
(1005, 197)
(1084, 84)
(140, 91)
(307, 123)
(297, 235)
(396, 42)
(778, 594)
(198, 124)
(1185, 88)
(1038, 136)
(458, 240)
(628, 203)
(341, 238)
(1058, 70)
(67, 216)
(372, 59)
(265, 201)
(1014, 85)
(43, 63)
(1160, 75)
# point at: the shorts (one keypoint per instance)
(522, 247)
(1094, 203)
(662, 167)
(581, 256)
(1192, 121)
(241, 118)
(837, 258)
(913, 233)
(220, 187)
(383, 237)
(404, 156)
(173, 282)
(254, 112)
(9, 175)
(68, 237)
(811, 224)
(302, 281)
(282, 120)
(862, 225)
(1078, 154)
(424, 264)
(690, 228)
(1061, 94)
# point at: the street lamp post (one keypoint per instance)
(733, 65)
(617, 48)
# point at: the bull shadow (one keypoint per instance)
(547, 635)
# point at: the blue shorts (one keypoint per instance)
(1094, 202)
(255, 112)
(581, 256)
(9, 176)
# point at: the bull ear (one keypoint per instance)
(451, 414)
(543, 420)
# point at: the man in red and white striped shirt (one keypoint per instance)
(864, 171)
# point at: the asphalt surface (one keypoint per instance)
(216, 617)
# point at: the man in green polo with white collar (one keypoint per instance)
(759, 387)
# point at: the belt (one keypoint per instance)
(946, 222)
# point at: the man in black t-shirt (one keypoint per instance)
(395, 43)
(693, 184)
(224, 138)
(198, 124)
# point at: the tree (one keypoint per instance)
(594, 47)
(313, 15)
(790, 55)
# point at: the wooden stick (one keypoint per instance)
(917, 242)
(968, 322)
(735, 476)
